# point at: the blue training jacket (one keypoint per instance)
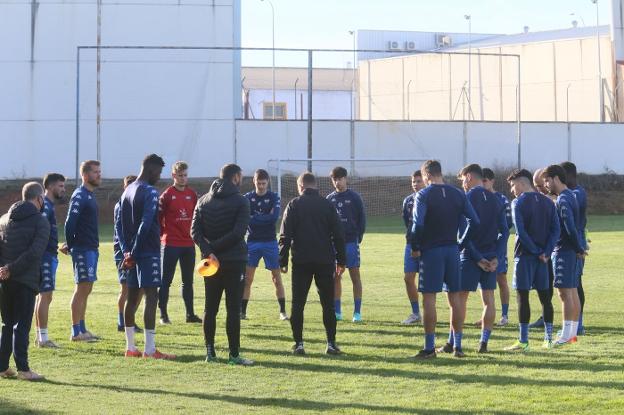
(81, 225)
(138, 229)
(264, 211)
(351, 211)
(537, 225)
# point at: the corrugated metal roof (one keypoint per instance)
(328, 79)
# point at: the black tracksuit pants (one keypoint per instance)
(229, 278)
(323, 275)
(17, 305)
(170, 257)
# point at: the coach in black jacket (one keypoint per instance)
(311, 226)
(24, 234)
(219, 225)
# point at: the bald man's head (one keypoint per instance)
(538, 181)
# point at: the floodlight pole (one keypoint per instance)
(309, 110)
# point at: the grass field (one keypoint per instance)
(375, 375)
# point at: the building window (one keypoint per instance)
(281, 112)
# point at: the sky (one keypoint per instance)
(325, 24)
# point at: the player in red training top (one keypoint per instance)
(175, 214)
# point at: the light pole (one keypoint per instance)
(352, 33)
(469, 18)
(602, 115)
(273, 70)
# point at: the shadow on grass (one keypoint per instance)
(283, 403)
(7, 407)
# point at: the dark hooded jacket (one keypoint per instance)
(220, 222)
(24, 234)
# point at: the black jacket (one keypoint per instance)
(312, 227)
(24, 234)
(220, 222)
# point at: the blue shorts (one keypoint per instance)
(530, 273)
(410, 264)
(439, 267)
(265, 250)
(146, 273)
(353, 255)
(472, 276)
(503, 265)
(49, 264)
(565, 269)
(122, 274)
(85, 265)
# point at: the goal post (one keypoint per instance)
(382, 183)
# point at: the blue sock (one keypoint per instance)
(357, 305)
(451, 338)
(524, 332)
(415, 307)
(548, 329)
(75, 329)
(83, 326)
(505, 310)
(337, 306)
(458, 339)
(485, 335)
(430, 342)
(120, 319)
(580, 321)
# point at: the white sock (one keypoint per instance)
(130, 339)
(43, 335)
(574, 328)
(37, 335)
(567, 329)
(150, 343)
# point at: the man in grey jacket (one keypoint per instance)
(219, 225)
(24, 234)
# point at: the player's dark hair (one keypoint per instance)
(432, 168)
(555, 170)
(128, 180)
(306, 179)
(417, 173)
(488, 174)
(261, 174)
(87, 166)
(570, 169)
(153, 160)
(520, 173)
(473, 169)
(338, 173)
(229, 171)
(52, 178)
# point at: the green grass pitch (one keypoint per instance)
(374, 376)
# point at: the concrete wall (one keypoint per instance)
(559, 79)
(155, 97)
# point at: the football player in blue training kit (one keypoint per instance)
(537, 230)
(568, 250)
(353, 218)
(54, 185)
(139, 239)
(261, 242)
(501, 271)
(121, 273)
(581, 198)
(479, 256)
(410, 264)
(438, 210)
(82, 241)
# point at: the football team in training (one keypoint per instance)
(456, 241)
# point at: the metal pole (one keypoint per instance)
(98, 90)
(279, 178)
(309, 110)
(77, 116)
(518, 115)
(568, 122)
(402, 88)
(469, 18)
(273, 49)
(600, 88)
(296, 80)
(408, 100)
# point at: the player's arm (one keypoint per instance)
(268, 218)
(503, 233)
(361, 217)
(472, 221)
(406, 213)
(338, 237)
(286, 236)
(197, 233)
(163, 205)
(507, 206)
(418, 220)
(237, 233)
(73, 213)
(570, 226)
(150, 209)
(521, 232)
(554, 232)
(475, 254)
(35, 250)
(119, 229)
